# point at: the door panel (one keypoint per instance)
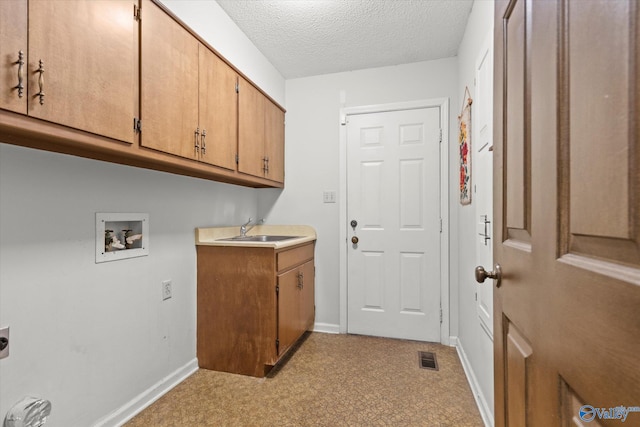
(13, 33)
(516, 141)
(604, 105)
(600, 215)
(288, 310)
(394, 195)
(274, 141)
(517, 351)
(307, 298)
(566, 315)
(169, 95)
(251, 109)
(89, 55)
(218, 110)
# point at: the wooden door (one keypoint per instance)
(567, 211)
(251, 127)
(393, 181)
(88, 51)
(169, 89)
(218, 110)
(13, 50)
(274, 142)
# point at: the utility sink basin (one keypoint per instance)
(258, 238)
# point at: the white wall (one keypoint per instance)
(477, 346)
(212, 23)
(312, 153)
(91, 337)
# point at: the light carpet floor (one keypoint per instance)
(330, 380)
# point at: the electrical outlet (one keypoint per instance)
(4, 342)
(166, 289)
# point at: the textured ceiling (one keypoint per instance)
(311, 37)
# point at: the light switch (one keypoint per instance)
(329, 197)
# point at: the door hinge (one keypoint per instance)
(440, 314)
(237, 87)
(137, 13)
(441, 225)
(137, 125)
(441, 136)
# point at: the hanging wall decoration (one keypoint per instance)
(464, 141)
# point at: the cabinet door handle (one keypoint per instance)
(197, 140)
(40, 81)
(204, 141)
(20, 63)
(300, 280)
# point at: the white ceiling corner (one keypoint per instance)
(312, 37)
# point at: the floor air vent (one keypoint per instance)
(428, 360)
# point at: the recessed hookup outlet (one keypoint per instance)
(4, 342)
(166, 289)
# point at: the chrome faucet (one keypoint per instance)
(244, 229)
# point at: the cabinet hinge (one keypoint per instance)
(237, 159)
(137, 13)
(237, 87)
(137, 125)
(277, 289)
(277, 345)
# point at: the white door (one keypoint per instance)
(393, 211)
(482, 132)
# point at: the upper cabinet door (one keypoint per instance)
(251, 109)
(82, 68)
(274, 142)
(169, 88)
(218, 108)
(13, 50)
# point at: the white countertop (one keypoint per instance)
(211, 236)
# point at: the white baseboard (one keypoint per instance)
(327, 328)
(481, 401)
(147, 397)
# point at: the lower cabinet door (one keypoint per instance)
(288, 309)
(307, 297)
(296, 306)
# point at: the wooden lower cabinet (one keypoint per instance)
(253, 304)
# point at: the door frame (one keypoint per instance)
(345, 112)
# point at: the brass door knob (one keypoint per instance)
(496, 274)
(355, 240)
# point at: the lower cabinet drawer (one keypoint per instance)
(289, 258)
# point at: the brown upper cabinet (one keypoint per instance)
(261, 127)
(13, 51)
(79, 68)
(188, 96)
(95, 73)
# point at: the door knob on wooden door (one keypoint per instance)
(496, 274)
